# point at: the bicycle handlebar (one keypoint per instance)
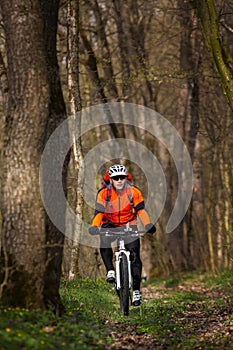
(124, 233)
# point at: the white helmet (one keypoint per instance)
(117, 169)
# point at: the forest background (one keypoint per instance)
(58, 58)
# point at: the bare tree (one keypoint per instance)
(74, 110)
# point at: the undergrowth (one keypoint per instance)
(183, 312)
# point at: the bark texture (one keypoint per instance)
(220, 55)
(32, 245)
(23, 220)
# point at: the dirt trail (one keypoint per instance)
(210, 324)
(128, 337)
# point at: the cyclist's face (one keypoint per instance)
(118, 182)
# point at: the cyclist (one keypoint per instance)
(119, 205)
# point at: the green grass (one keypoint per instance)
(183, 312)
(88, 304)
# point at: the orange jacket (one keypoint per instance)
(115, 208)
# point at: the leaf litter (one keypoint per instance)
(186, 316)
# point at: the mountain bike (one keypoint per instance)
(123, 282)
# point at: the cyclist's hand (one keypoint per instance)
(93, 230)
(150, 228)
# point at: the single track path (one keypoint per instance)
(210, 323)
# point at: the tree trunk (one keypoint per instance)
(76, 152)
(31, 244)
(220, 56)
(187, 123)
(209, 213)
(124, 49)
(23, 219)
(57, 114)
(109, 78)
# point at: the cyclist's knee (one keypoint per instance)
(135, 258)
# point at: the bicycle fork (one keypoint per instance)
(118, 260)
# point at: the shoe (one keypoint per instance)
(110, 278)
(137, 298)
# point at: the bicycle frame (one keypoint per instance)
(118, 255)
(123, 264)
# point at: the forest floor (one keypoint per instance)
(184, 312)
(193, 315)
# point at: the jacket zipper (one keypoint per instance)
(119, 207)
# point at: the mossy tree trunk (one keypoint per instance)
(221, 57)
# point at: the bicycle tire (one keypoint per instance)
(124, 290)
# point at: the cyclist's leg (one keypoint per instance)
(136, 263)
(106, 252)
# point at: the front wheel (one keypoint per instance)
(124, 290)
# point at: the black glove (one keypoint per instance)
(93, 230)
(150, 228)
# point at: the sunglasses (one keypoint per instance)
(119, 177)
